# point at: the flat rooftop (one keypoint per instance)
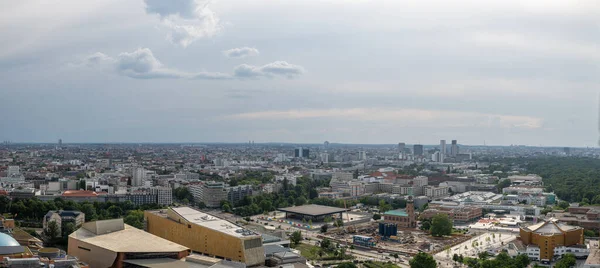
(313, 210)
(129, 239)
(205, 220)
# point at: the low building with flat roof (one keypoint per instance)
(111, 243)
(206, 234)
(316, 213)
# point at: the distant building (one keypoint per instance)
(362, 155)
(403, 218)
(418, 150)
(324, 157)
(211, 193)
(235, 194)
(111, 243)
(436, 191)
(62, 217)
(13, 171)
(206, 234)
(454, 148)
(459, 214)
(443, 147)
(550, 240)
(419, 184)
(301, 152)
(567, 150)
(138, 176)
(585, 217)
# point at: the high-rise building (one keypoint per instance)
(419, 184)
(418, 150)
(401, 147)
(326, 145)
(59, 142)
(324, 157)
(454, 148)
(138, 176)
(301, 152)
(443, 147)
(362, 155)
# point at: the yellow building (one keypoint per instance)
(548, 241)
(206, 234)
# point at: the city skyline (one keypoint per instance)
(503, 72)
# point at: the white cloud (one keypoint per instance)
(242, 52)
(185, 20)
(407, 117)
(142, 64)
(277, 68)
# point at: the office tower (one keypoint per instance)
(401, 147)
(138, 176)
(443, 147)
(305, 152)
(324, 157)
(418, 150)
(454, 148)
(326, 145)
(362, 155)
(567, 150)
(59, 142)
(435, 157)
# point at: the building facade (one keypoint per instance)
(206, 234)
(548, 241)
(404, 218)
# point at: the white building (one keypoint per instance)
(362, 155)
(436, 192)
(419, 183)
(291, 179)
(324, 157)
(138, 176)
(164, 195)
(13, 171)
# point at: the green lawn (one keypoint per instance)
(311, 252)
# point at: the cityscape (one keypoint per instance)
(300, 134)
(301, 205)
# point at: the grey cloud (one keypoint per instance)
(185, 20)
(142, 64)
(242, 52)
(277, 68)
(183, 8)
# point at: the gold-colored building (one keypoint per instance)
(549, 240)
(206, 234)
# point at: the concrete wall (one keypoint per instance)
(88, 253)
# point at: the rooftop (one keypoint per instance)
(397, 212)
(127, 239)
(313, 210)
(205, 220)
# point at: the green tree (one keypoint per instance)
(426, 225)
(338, 223)
(376, 217)
(296, 238)
(522, 260)
(346, 265)
(422, 260)
(441, 225)
(563, 204)
(325, 243)
(324, 228)
(567, 261)
(383, 206)
(115, 212)
(503, 184)
(201, 205)
(135, 218)
(51, 232)
(226, 207)
(81, 185)
(300, 201)
(89, 211)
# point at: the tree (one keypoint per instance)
(426, 225)
(201, 205)
(422, 260)
(376, 217)
(383, 206)
(522, 260)
(503, 184)
(339, 223)
(563, 204)
(346, 265)
(226, 207)
(51, 232)
(455, 257)
(325, 243)
(567, 261)
(135, 218)
(296, 237)
(324, 228)
(115, 212)
(82, 185)
(89, 211)
(483, 255)
(441, 225)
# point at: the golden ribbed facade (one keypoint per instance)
(202, 239)
(549, 235)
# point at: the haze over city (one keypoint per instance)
(364, 72)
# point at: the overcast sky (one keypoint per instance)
(352, 71)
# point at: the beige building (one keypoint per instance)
(206, 234)
(111, 243)
(62, 217)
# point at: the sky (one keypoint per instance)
(346, 71)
